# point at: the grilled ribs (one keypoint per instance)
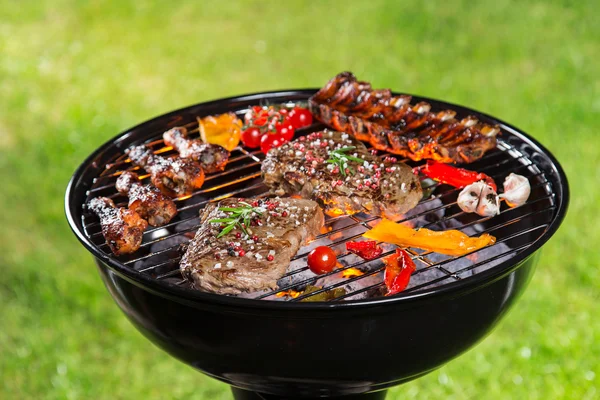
(212, 157)
(146, 200)
(122, 228)
(392, 124)
(172, 176)
(245, 262)
(358, 182)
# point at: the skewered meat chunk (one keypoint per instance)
(392, 124)
(146, 200)
(172, 176)
(232, 262)
(312, 166)
(212, 157)
(122, 228)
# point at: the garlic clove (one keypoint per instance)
(489, 203)
(516, 190)
(468, 198)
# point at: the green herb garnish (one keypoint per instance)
(238, 216)
(339, 157)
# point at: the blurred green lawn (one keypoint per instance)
(74, 74)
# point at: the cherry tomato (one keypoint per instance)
(251, 137)
(321, 260)
(285, 129)
(271, 140)
(300, 117)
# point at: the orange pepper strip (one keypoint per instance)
(452, 242)
(223, 129)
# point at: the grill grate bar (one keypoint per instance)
(420, 257)
(208, 178)
(198, 205)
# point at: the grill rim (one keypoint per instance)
(73, 213)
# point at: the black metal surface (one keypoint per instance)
(322, 352)
(240, 394)
(325, 349)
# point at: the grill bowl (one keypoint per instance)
(320, 349)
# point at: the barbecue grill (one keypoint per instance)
(274, 345)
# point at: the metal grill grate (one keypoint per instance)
(515, 229)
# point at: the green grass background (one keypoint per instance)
(74, 74)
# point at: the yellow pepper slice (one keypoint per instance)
(452, 242)
(224, 130)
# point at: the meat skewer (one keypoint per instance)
(172, 176)
(122, 228)
(212, 157)
(392, 124)
(146, 200)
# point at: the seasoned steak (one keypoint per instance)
(228, 258)
(342, 175)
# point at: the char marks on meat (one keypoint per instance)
(368, 183)
(249, 261)
(122, 228)
(392, 124)
(146, 200)
(212, 157)
(173, 176)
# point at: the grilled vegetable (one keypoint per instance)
(457, 177)
(452, 242)
(272, 126)
(398, 269)
(480, 198)
(300, 117)
(321, 260)
(324, 296)
(516, 190)
(368, 249)
(224, 130)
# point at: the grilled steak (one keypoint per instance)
(342, 175)
(230, 261)
(392, 124)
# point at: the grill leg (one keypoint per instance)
(240, 394)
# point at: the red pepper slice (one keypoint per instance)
(457, 177)
(368, 249)
(398, 269)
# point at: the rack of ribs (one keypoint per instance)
(390, 123)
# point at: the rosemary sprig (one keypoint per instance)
(238, 216)
(339, 157)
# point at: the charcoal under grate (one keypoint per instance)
(516, 229)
